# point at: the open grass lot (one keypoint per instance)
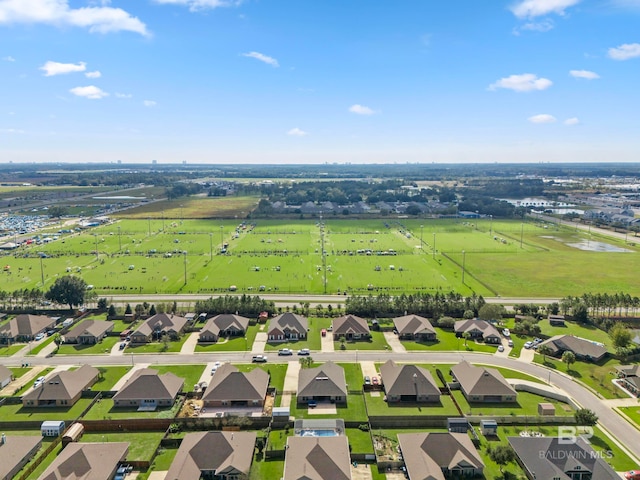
(447, 340)
(190, 373)
(195, 207)
(104, 410)
(598, 375)
(354, 410)
(157, 347)
(552, 261)
(142, 445)
(376, 342)
(231, 344)
(16, 413)
(359, 441)
(104, 346)
(572, 328)
(109, 376)
(277, 373)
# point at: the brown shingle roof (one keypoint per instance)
(223, 322)
(487, 329)
(14, 449)
(412, 324)
(94, 328)
(222, 453)
(5, 373)
(350, 324)
(295, 323)
(577, 345)
(407, 380)
(326, 380)
(163, 322)
(147, 383)
(26, 325)
(317, 458)
(64, 385)
(229, 383)
(481, 380)
(87, 461)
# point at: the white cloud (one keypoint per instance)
(195, 5)
(584, 74)
(55, 68)
(361, 110)
(100, 19)
(123, 95)
(525, 82)
(9, 58)
(625, 51)
(542, 26)
(95, 74)
(149, 103)
(92, 92)
(296, 132)
(263, 58)
(538, 8)
(542, 118)
(15, 131)
(571, 121)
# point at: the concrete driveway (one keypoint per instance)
(290, 382)
(259, 343)
(189, 346)
(327, 343)
(394, 342)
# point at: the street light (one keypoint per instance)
(119, 239)
(434, 245)
(421, 244)
(463, 259)
(210, 246)
(185, 266)
(490, 224)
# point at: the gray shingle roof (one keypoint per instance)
(481, 380)
(462, 326)
(86, 461)
(413, 324)
(223, 322)
(407, 380)
(229, 383)
(577, 345)
(163, 322)
(350, 324)
(94, 328)
(317, 458)
(26, 325)
(147, 383)
(293, 322)
(64, 385)
(326, 380)
(14, 450)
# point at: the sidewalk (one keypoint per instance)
(10, 389)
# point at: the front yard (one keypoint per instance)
(103, 346)
(171, 346)
(447, 340)
(376, 342)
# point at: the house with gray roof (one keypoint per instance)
(583, 349)
(87, 461)
(482, 384)
(478, 330)
(63, 389)
(88, 332)
(223, 325)
(629, 377)
(24, 328)
(231, 387)
(414, 327)
(219, 455)
(287, 326)
(553, 458)
(350, 327)
(147, 390)
(325, 383)
(317, 458)
(15, 453)
(6, 376)
(408, 383)
(439, 455)
(155, 327)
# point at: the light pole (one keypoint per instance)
(210, 246)
(96, 237)
(421, 244)
(521, 232)
(490, 225)
(185, 266)
(41, 271)
(434, 245)
(463, 259)
(119, 239)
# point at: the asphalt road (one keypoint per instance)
(619, 428)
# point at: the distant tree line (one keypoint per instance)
(429, 305)
(600, 306)
(245, 305)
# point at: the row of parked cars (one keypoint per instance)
(533, 344)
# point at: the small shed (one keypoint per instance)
(73, 434)
(556, 320)
(52, 428)
(457, 425)
(545, 409)
(281, 412)
(190, 317)
(489, 427)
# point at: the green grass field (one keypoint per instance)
(506, 258)
(109, 376)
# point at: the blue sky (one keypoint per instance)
(297, 81)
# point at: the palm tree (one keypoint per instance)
(544, 350)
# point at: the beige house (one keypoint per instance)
(350, 327)
(583, 349)
(154, 328)
(287, 327)
(408, 383)
(414, 327)
(230, 387)
(63, 389)
(15, 453)
(87, 461)
(317, 458)
(478, 330)
(147, 390)
(224, 325)
(219, 455)
(24, 327)
(481, 384)
(88, 332)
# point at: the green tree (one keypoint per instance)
(502, 454)
(466, 336)
(102, 303)
(620, 336)
(127, 310)
(584, 416)
(152, 310)
(568, 357)
(112, 311)
(544, 350)
(57, 211)
(491, 311)
(70, 290)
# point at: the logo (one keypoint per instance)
(568, 434)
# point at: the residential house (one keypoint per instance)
(414, 327)
(408, 383)
(155, 327)
(231, 387)
(286, 327)
(87, 461)
(439, 455)
(88, 332)
(147, 390)
(554, 458)
(24, 327)
(15, 453)
(478, 330)
(214, 455)
(629, 377)
(6, 376)
(63, 389)
(317, 458)
(325, 383)
(351, 328)
(582, 348)
(481, 384)
(556, 320)
(223, 325)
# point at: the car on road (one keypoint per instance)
(304, 351)
(285, 352)
(528, 345)
(506, 332)
(39, 336)
(367, 380)
(500, 348)
(259, 359)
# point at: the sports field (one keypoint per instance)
(161, 255)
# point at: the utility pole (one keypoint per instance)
(96, 236)
(42, 272)
(434, 245)
(119, 239)
(210, 246)
(463, 259)
(185, 266)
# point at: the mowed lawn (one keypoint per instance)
(142, 445)
(109, 376)
(231, 344)
(103, 347)
(447, 340)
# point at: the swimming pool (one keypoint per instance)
(318, 433)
